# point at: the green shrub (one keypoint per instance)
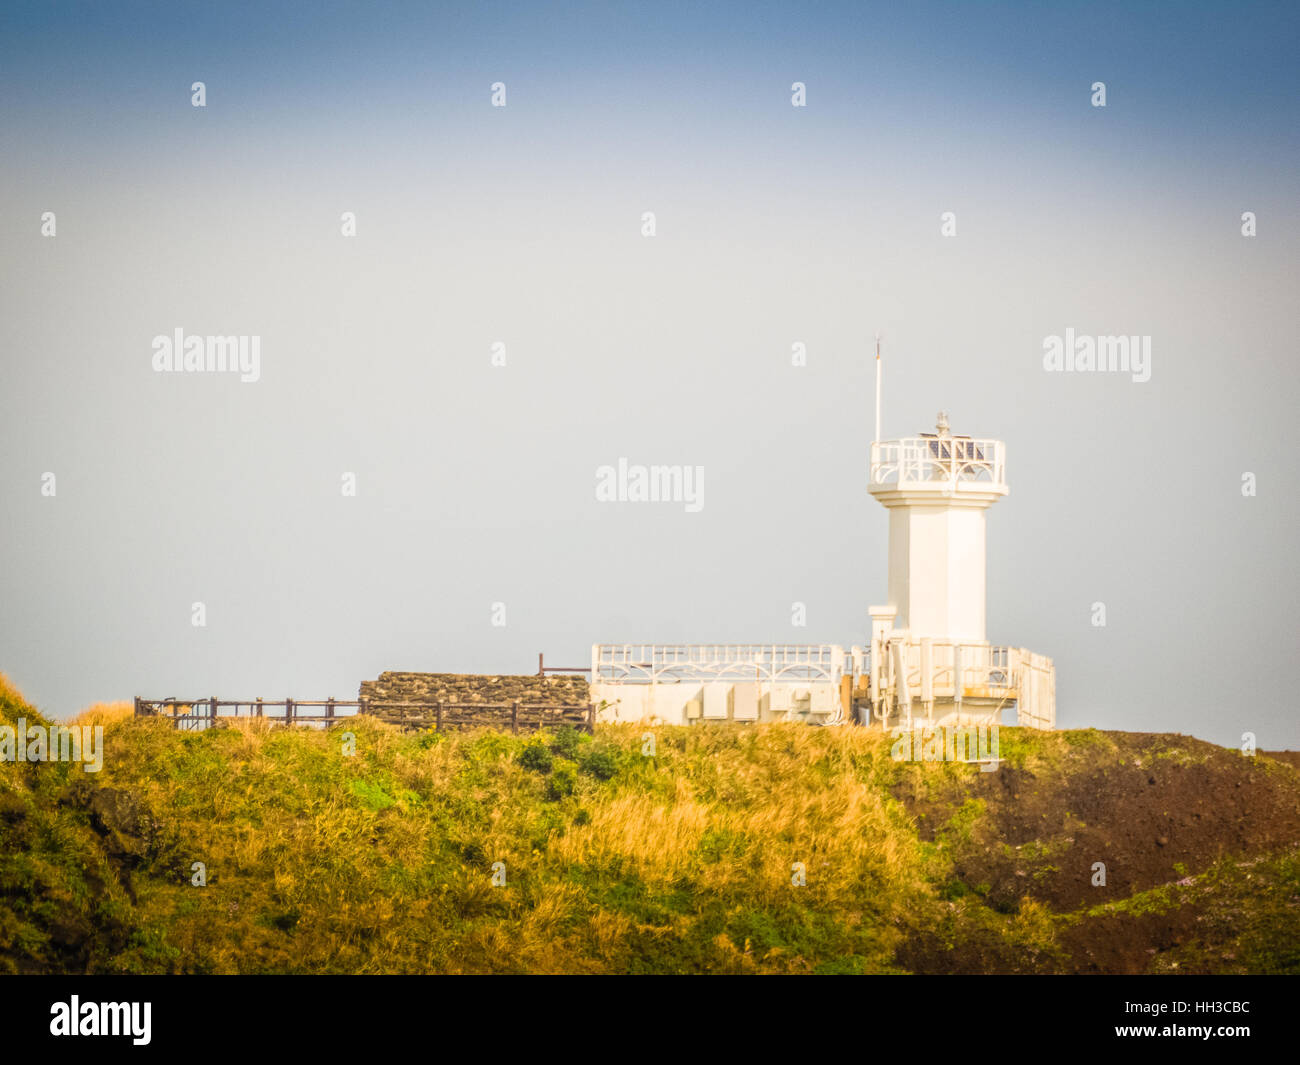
(601, 764)
(373, 796)
(566, 742)
(536, 755)
(562, 782)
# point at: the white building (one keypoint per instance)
(928, 661)
(682, 683)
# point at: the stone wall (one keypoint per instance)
(563, 689)
(478, 700)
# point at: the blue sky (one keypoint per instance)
(522, 224)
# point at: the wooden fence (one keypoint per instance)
(196, 714)
(514, 716)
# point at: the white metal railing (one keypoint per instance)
(928, 460)
(982, 666)
(952, 672)
(671, 663)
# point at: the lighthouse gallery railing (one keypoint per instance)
(930, 459)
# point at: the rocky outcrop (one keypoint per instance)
(128, 828)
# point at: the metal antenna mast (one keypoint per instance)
(876, 438)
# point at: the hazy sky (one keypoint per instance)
(522, 224)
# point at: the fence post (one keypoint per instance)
(329, 710)
(259, 706)
(438, 726)
(591, 718)
(288, 711)
(514, 716)
(212, 708)
(137, 706)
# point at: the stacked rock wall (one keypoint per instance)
(474, 700)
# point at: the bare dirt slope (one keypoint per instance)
(1136, 838)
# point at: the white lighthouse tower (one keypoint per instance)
(936, 487)
(930, 660)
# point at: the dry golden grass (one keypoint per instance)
(12, 703)
(104, 713)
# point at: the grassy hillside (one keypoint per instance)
(618, 862)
